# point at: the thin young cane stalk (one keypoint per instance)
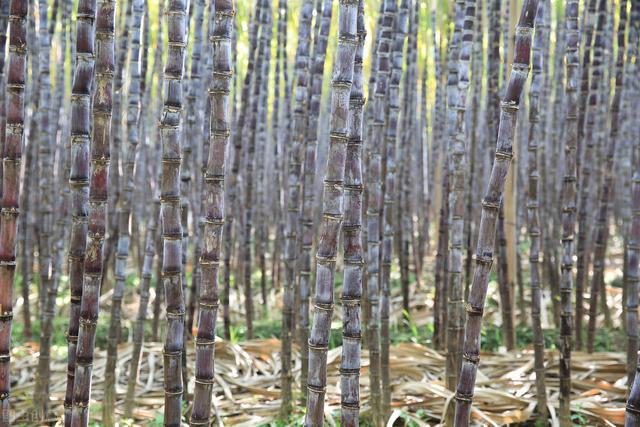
(158, 71)
(590, 150)
(45, 228)
(389, 174)
(606, 187)
(457, 166)
(450, 335)
(440, 182)
(261, 60)
(234, 196)
(583, 167)
(193, 126)
(568, 201)
(633, 242)
(124, 211)
(632, 415)
(533, 217)
(308, 185)
(374, 202)
(138, 327)
(62, 221)
(294, 198)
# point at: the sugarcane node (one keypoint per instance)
(490, 205)
(349, 371)
(502, 154)
(209, 305)
(351, 299)
(176, 392)
(88, 322)
(323, 307)
(80, 404)
(632, 408)
(461, 397)
(474, 311)
(349, 405)
(483, 259)
(325, 259)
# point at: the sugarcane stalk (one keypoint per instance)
(389, 174)
(220, 128)
(81, 123)
(333, 212)
(352, 244)
(490, 207)
(11, 158)
(606, 187)
(97, 215)
(170, 137)
(294, 198)
(124, 210)
(308, 185)
(374, 203)
(533, 217)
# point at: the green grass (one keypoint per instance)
(268, 323)
(270, 326)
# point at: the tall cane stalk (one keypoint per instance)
(490, 207)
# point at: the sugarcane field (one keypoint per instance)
(319, 213)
